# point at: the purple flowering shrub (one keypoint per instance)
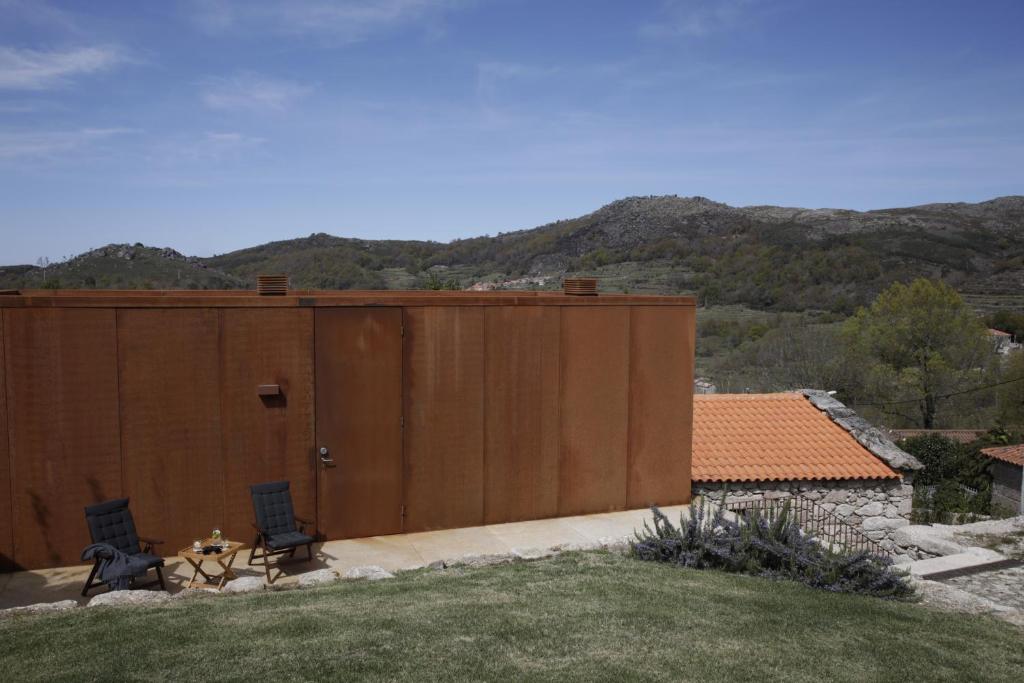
(767, 545)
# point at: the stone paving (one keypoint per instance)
(998, 592)
(1005, 586)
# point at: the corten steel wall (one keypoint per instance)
(64, 429)
(444, 417)
(521, 411)
(168, 363)
(6, 510)
(660, 352)
(515, 406)
(266, 438)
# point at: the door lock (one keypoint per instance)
(325, 456)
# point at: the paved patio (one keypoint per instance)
(399, 552)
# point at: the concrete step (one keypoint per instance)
(970, 562)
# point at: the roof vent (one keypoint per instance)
(268, 285)
(580, 286)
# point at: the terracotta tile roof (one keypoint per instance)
(774, 437)
(998, 333)
(1011, 454)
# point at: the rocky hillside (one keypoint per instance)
(122, 266)
(767, 257)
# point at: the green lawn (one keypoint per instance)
(580, 616)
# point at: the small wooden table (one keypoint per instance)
(224, 558)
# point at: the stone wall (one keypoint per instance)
(877, 507)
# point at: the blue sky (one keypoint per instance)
(211, 125)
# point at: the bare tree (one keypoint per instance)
(43, 262)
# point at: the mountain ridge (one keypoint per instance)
(762, 256)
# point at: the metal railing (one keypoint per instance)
(826, 527)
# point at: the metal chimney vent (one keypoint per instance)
(268, 285)
(580, 286)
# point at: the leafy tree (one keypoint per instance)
(436, 283)
(1011, 395)
(944, 459)
(918, 341)
(949, 467)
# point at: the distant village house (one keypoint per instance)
(1003, 342)
(1007, 476)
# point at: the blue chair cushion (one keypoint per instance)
(289, 539)
(272, 503)
(111, 522)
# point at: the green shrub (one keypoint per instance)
(436, 283)
(955, 480)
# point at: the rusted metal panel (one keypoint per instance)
(516, 406)
(444, 443)
(266, 436)
(660, 405)
(6, 510)
(169, 367)
(314, 298)
(521, 413)
(359, 421)
(63, 422)
(594, 406)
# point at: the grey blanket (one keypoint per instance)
(116, 568)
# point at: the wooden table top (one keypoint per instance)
(233, 547)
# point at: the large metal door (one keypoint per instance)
(359, 421)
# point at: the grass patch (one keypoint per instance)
(577, 617)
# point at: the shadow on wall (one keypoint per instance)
(42, 516)
(43, 533)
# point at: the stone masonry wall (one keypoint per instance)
(877, 507)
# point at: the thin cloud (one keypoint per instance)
(218, 145)
(490, 75)
(25, 69)
(211, 146)
(52, 144)
(345, 21)
(18, 107)
(39, 13)
(697, 18)
(251, 92)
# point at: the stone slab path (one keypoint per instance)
(392, 553)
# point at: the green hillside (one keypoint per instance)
(766, 258)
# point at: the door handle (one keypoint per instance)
(325, 456)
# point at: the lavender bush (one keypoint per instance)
(771, 546)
